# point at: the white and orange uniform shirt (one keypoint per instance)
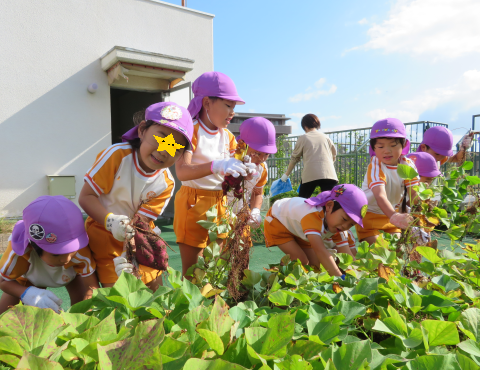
(31, 267)
(121, 184)
(258, 181)
(302, 219)
(381, 174)
(207, 146)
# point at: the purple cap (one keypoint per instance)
(439, 139)
(425, 163)
(212, 84)
(352, 199)
(54, 223)
(389, 127)
(168, 114)
(259, 134)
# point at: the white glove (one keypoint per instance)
(467, 142)
(419, 236)
(157, 230)
(41, 298)
(121, 264)
(229, 166)
(251, 167)
(119, 226)
(284, 177)
(255, 219)
(401, 220)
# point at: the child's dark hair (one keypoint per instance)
(310, 121)
(138, 117)
(398, 140)
(336, 207)
(37, 249)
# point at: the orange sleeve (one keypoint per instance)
(444, 160)
(312, 223)
(194, 136)
(232, 143)
(102, 174)
(156, 206)
(263, 178)
(12, 266)
(83, 262)
(375, 175)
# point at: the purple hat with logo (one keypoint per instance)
(54, 223)
(352, 199)
(439, 139)
(425, 163)
(168, 114)
(389, 127)
(212, 84)
(259, 134)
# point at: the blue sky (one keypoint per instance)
(352, 62)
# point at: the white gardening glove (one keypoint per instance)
(229, 166)
(284, 177)
(41, 298)
(119, 226)
(467, 141)
(157, 230)
(256, 218)
(401, 220)
(121, 264)
(251, 167)
(419, 236)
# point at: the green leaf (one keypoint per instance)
(133, 352)
(173, 348)
(471, 347)
(219, 321)
(414, 339)
(213, 340)
(198, 364)
(300, 296)
(445, 283)
(211, 214)
(441, 332)
(466, 363)
(406, 172)
(350, 310)
(175, 278)
(193, 294)
(237, 353)
(455, 232)
(467, 165)
(126, 284)
(32, 362)
(430, 254)
(238, 314)
(251, 278)
(306, 348)
(470, 320)
(190, 321)
(206, 224)
(473, 180)
(280, 298)
(352, 356)
(296, 362)
(434, 362)
(34, 329)
(10, 345)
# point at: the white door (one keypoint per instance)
(180, 95)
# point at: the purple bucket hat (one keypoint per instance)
(259, 134)
(389, 127)
(352, 199)
(168, 114)
(54, 223)
(439, 139)
(212, 84)
(425, 163)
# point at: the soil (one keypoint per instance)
(3, 242)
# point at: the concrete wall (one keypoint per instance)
(50, 50)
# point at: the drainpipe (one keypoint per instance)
(184, 2)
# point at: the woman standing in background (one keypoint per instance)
(318, 153)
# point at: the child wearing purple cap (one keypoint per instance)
(258, 134)
(426, 166)
(382, 185)
(438, 142)
(48, 248)
(202, 169)
(313, 229)
(130, 176)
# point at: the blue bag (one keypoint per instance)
(298, 189)
(279, 187)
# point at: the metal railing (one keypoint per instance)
(353, 157)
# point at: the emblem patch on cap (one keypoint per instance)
(413, 158)
(51, 238)
(36, 231)
(339, 191)
(364, 210)
(171, 112)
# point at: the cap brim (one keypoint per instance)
(65, 247)
(430, 174)
(236, 99)
(357, 219)
(448, 153)
(269, 149)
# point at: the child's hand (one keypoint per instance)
(119, 226)
(255, 219)
(41, 298)
(401, 220)
(121, 264)
(229, 166)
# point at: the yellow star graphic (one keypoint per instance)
(167, 143)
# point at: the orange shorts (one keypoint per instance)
(191, 205)
(372, 223)
(276, 233)
(105, 248)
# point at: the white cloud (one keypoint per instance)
(363, 21)
(465, 93)
(440, 28)
(313, 94)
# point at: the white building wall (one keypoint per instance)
(50, 50)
